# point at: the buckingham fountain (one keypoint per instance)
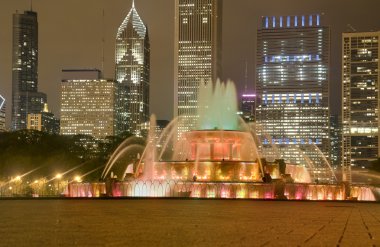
(223, 157)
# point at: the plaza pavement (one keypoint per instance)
(177, 222)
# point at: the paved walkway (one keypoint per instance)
(164, 222)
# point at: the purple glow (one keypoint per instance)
(249, 95)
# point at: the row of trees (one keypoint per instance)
(45, 155)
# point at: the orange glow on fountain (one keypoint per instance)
(223, 158)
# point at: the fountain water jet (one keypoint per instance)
(222, 158)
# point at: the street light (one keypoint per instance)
(78, 179)
(58, 176)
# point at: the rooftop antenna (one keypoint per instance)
(133, 4)
(349, 26)
(246, 76)
(103, 41)
(31, 5)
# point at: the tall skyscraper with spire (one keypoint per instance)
(197, 54)
(132, 58)
(25, 96)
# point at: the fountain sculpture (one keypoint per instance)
(223, 157)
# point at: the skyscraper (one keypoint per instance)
(87, 104)
(132, 73)
(293, 56)
(2, 113)
(248, 106)
(336, 139)
(360, 105)
(25, 96)
(197, 54)
(44, 121)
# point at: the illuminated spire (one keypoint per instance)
(137, 23)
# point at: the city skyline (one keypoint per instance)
(65, 32)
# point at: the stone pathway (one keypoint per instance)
(162, 222)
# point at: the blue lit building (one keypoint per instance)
(293, 56)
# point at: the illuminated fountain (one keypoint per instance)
(222, 158)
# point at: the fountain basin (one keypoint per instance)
(209, 171)
(216, 145)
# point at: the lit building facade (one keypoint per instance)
(336, 140)
(44, 121)
(293, 56)
(25, 96)
(197, 54)
(2, 113)
(132, 73)
(87, 104)
(248, 106)
(360, 105)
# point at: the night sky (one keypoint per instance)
(70, 36)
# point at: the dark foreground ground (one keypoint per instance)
(161, 222)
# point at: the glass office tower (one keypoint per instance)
(293, 56)
(360, 105)
(25, 96)
(132, 74)
(197, 54)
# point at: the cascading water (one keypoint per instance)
(217, 106)
(221, 158)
